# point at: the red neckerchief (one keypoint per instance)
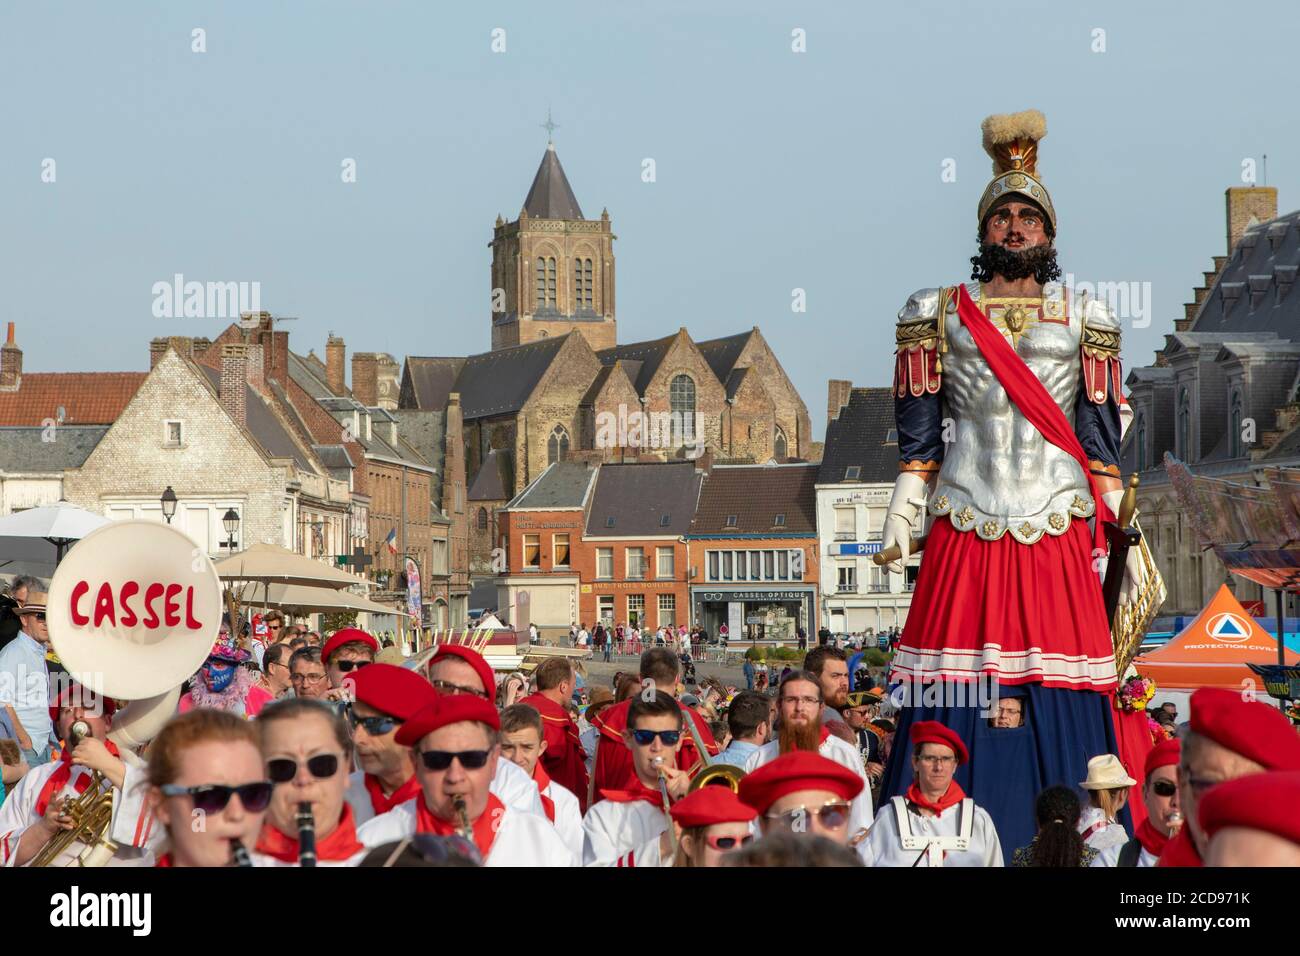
(59, 779)
(165, 861)
(951, 797)
(1180, 851)
(1152, 840)
(485, 827)
(383, 804)
(639, 792)
(339, 845)
(1029, 395)
(544, 781)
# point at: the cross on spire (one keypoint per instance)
(549, 126)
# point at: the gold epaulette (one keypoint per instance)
(923, 332)
(1101, 343)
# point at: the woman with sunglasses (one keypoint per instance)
(1164, 812)
(711, 822)
(344, 654)
(207, 763)
(222, 683)
(306, 751)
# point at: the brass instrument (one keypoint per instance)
(668, 803)
(711, 774)
(462, 814)
(306, 835)
(92, 814)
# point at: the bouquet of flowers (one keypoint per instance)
(1294, 712)
(1135, 693)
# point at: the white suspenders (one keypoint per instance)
(934, 846)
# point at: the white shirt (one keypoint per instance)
(522, 839)
(843, 753)
(568, 817)
(623, 834)
(25, 686)
(886, 849)
(132, 827)
(511, 786)
(1108, 839)
(583, 636)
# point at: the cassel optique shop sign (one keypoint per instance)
(133, 605)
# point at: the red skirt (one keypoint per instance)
(1022, 612)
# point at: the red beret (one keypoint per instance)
(1163, 754)
(474, 659)
(394, 690)
(795, 771)
(347, 636)
(709, 805)
(933, 732)
(447, 709)
(1256, 731)
(82, 696)
(1259, 801)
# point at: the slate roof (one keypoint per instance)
(756, 494)
(263, 423)
(1256, 290)
(25, 450)
(723, 354)
(495, 479)
(859, 437)
(551, 196)
(490, 383)
(87, 398)
(432, 379)
(564, 484)
(426, 433)
(644, 499)
(641, 359)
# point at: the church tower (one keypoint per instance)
(552, 270)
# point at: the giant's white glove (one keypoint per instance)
(904, 507)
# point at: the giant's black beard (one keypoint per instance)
(996, 259)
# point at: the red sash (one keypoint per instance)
(59, 779)
(1028, 394)
(951, 797)
(544, 781)
(381, 803)
(1180, 850)
(485, 827)
(341, 844)
(1152, 840)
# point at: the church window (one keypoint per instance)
(681, 398)
(557, 447)
(546, 296)
(779, 447)
(482, 519)
(582, 294)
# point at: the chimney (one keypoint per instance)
(838, 394)
(453, 462)
(157, 349)
(365, 378)
(256, 370)
(234, 379)
(1247, 205)
(704, 464)
(335, 351)
(11, 363)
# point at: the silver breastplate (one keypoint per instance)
(999, 474)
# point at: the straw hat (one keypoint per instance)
(1107, 773)
(35, 603)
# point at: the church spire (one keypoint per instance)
(551, 196)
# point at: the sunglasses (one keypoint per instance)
(729, 843)
(646, 737)
(832, 816)
(213, 797)
(1164, 788)
(284, 769)
(346, 666)
(441, 759)
(450, 689)
(39, 617)
(375, 726)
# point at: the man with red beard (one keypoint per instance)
(613, 770)
(935, 824)
(456, 738)
(799, 727)
(1010, 412)
(564, 760)
(1229, 738)
(384, 697)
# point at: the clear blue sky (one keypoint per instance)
(776, 170)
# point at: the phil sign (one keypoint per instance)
(134, 608)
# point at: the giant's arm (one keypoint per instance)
(1097, 413)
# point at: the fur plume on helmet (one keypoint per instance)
(1008, 135)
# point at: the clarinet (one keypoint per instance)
(306, 835)
(239, 854)
(462, 814)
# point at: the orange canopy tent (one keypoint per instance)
(1213, 650)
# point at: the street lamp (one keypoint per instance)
(169, 504)
(230, 521)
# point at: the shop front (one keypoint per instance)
(756, 614)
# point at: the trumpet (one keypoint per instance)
(462, 814)
(306, 835)
(668, 803)
(91, 812)
(711, 774)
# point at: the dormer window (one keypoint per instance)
(731, 521)
(173, 434)
(779, 522)
(609, 522)
(853, 473)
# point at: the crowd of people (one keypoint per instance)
(300, 751)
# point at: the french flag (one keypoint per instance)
(391, 541)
